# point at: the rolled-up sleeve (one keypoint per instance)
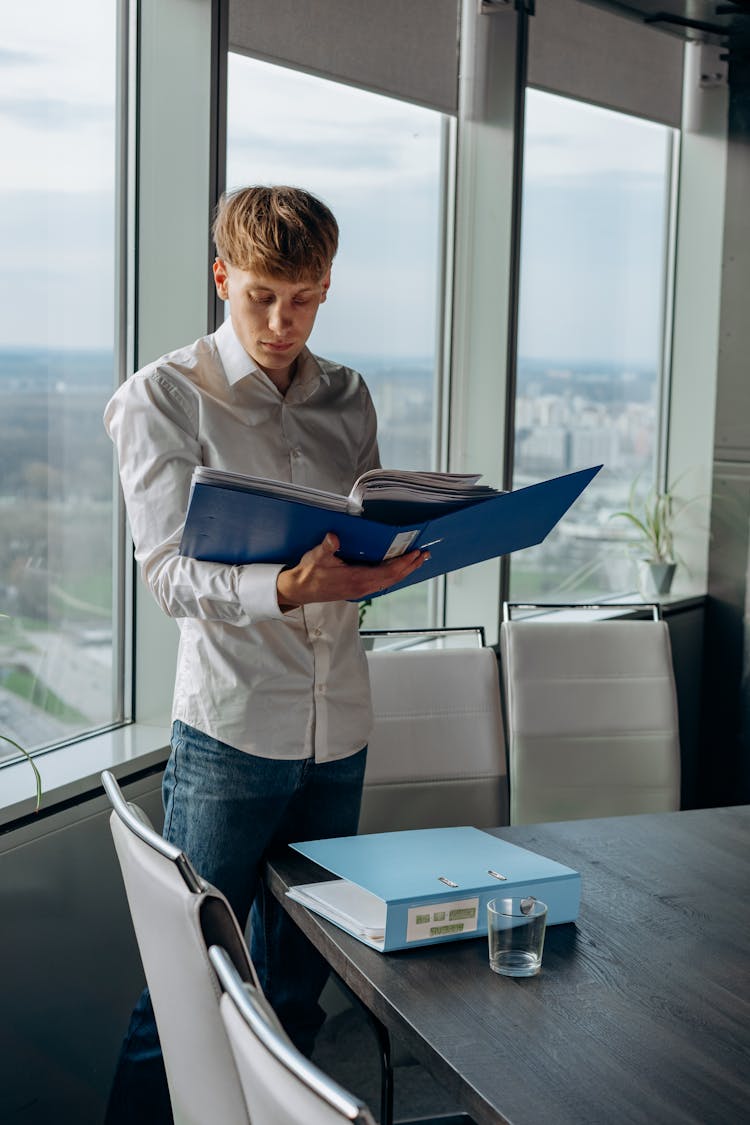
(153, 421)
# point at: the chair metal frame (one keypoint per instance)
(282, 1050)
(129, 816)
(424, 636)
(633, 607)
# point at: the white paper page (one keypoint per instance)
(416, 486)
(346, 904)
(285, 489)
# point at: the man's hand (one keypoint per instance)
(320, 576)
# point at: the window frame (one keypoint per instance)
(446, 186)
(668, 259)
(163, 46)
(124, 272)
(190, 40)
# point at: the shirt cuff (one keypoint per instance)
(257, 591)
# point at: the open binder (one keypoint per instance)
(399, 890)
(231, 524)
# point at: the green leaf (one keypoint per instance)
(32, 763)
(634, 520)
(363, 607)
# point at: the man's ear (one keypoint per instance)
(221, 278)
(325, 285)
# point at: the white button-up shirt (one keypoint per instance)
(279, 685)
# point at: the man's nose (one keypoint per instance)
(279, 317)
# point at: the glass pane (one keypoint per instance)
(591, 320)
(377, 163)
(57, 128)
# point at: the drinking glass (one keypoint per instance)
(515, 931)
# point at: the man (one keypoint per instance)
(271, 709)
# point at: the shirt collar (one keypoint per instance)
(237, 363)
(234, 359)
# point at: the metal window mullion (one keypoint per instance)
(668, 304)
(522, 58)
(218, 139)
(125, 118)
(444, 329)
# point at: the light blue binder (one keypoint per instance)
(435, 883)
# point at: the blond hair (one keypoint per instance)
(276, 231)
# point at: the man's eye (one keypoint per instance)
(302, 300)
(261, 300)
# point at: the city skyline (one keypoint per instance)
(557, 361)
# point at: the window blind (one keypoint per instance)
(407, 50)
(585, 52)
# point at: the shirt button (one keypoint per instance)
(317, 632)
(321, 689)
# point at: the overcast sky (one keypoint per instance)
(376, 162)
(57, 66)
(593, 233)
(593, 216)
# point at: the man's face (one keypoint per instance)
(271, 316)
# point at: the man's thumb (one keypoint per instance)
(331, 543)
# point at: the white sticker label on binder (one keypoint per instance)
(400, 544)
(442, 919)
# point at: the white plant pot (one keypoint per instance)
(655, 578)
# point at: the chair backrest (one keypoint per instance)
(281, 1086)
(176, 916)
(436, 755)
(591, 719)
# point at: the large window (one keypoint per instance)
(377, 162)
(57, 133)
(594, 261)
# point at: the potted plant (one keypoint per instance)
(654, 517)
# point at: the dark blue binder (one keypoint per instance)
(233, 525)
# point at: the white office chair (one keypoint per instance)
(436, 756)
(177, 916)
(591, 717)
(280, 1085)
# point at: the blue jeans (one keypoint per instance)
(226, 809)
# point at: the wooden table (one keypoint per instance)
(641, 1012)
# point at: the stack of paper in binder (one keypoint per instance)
(401, 889)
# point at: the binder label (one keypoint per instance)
(442, 919)
(400, 544)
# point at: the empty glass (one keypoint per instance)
(515, 931)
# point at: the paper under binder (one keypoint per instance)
(237, 526)
(398, 890)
